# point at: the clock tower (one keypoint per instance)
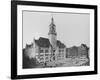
(52, 34)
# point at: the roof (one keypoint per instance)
(44, 42)
(60, 45)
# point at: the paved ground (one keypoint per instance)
(69, 62)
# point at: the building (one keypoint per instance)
(77, 51)
(83, 50)
(46, 53)
(72, 51)
(47, 49)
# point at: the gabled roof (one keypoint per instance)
(44, 42)
(60, 45)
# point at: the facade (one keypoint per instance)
(47, 53)
(83, 50)
(47, 49)
(72, 52)
(80, 51)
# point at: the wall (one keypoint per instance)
(5, 40)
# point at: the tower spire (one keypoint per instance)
(52, 20)
(52, 27)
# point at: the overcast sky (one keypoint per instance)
(72, 29)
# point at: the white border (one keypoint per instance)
(21, 71)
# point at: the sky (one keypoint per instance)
(72, 29)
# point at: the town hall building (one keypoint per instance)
(48, 49)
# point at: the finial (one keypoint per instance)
(52, 19)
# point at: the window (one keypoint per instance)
(62, 50)
(41, 51)
(59, 50)
(46, 54)
(46, 51)
(41, 58)
(46, 58)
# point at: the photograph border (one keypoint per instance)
(14, 24)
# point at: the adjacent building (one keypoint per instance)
(77, 51)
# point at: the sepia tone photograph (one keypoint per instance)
(55, 39)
